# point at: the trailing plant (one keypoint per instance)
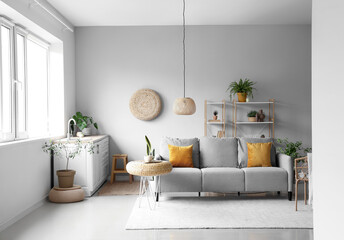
(252, 113)
(67, 149)
(243, 86)
(150, 151)
(84, 121)
(292, 149)
(215, 113)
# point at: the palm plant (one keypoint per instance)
(243, 86)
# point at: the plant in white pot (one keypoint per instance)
(150, 152)
(84, 123)
(69, 150)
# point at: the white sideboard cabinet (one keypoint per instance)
(91, 169)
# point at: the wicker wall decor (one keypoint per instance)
(145, 104)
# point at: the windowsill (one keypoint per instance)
(30, 140)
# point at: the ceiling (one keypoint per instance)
(169, 12)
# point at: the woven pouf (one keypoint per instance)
(67, 195)
(140, 168)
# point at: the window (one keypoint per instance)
(24, 81)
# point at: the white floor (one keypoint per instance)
(100, 218)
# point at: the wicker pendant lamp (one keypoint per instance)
(185, 105)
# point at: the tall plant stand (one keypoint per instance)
(301, 174)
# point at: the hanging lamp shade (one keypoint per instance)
(184, 106)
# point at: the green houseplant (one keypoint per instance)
(252, 116)
(84, 123)
(292, 149)
(150, 152)
(242, 89)
(68, 150)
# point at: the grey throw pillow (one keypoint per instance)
(165, 141)
(218, 152)
(242, 149)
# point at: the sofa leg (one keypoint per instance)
(157, 197)
(279, 193)
(199, 194)
(239, 194)
(290, 195)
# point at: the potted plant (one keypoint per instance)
(84, 123)
(292, 149)
(150, 152)
(252, 116)
(69, 150)
(215, 115)
(243, 88)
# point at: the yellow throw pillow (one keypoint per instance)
(181, 156)
(259, 154)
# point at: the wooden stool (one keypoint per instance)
(114, 168)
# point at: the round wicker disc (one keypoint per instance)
(145, 104)
(139, 168)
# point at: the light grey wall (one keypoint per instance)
(24, 168)
(327, 75)
(113, 62)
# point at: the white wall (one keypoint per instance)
(327, 101)
(24, 168)
(113, 62)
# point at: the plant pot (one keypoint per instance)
(148, 158)
(214, 117)
(65, 178)
(242, 97)
(87, 131)
(252, 119)
(79, 134)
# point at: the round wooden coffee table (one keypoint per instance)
(146, 171)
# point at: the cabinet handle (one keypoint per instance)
(97, 148)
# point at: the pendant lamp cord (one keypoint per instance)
(184, 44)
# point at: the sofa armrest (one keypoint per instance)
(286, 162)
(157, 157)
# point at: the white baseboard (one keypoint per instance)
(19, 216)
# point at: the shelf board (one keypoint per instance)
(248, 103)
(215, 103)
(215, 123)
(254, 122)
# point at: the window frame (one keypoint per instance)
(14, 29)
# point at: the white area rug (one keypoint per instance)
(221, 212)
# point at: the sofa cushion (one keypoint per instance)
(265, 179)
(218, 152)
(165, 154)
(223, 180)
(182, 180)
(242, 149)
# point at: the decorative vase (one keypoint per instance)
(148, 158)
(214, 117)
(87, 131)
(252, 119)
(242, 97)
(65, 178)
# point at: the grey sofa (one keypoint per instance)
(220, 165)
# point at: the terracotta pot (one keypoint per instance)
(214, 117)
(252, 119)
(242, 97)
(65, 178)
